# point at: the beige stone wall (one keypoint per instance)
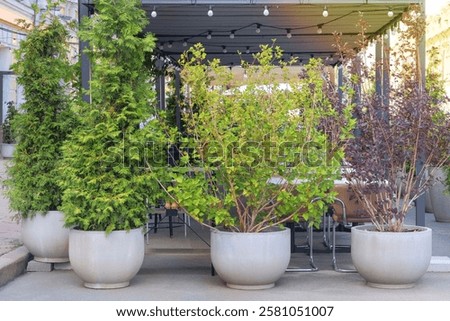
(438, 36)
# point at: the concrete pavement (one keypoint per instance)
(13, 256)
(178, 269)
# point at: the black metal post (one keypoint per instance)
(161, 84)
(177, 102)
(1, 98)
(84, 11)
(420, 202)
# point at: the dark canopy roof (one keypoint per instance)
(181, 23)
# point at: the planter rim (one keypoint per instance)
(41, 213)
(74, 230)
(366, 229)
(274, 230)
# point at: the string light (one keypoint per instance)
(288, 33)
(266, 11)
(232, 34)
(390, 13)
(319, 29)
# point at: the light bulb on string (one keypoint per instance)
(210, 12)
(319, 29)
(154, 14)
(258, 28)
(266, 11)
(232, 34)
(390, 13)
(288, 33)
(325, 12)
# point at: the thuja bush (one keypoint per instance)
(258, 152)
(45, 119)
(9, 136)
(105, 182)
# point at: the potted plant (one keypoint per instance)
(395, 140)
(9, 138)
(438, 195)
(253, 156)
(44, 121)
(105, 184)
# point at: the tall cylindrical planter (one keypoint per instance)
(391, 259)
(106, 261)
(440, 197)
(45, 236)
(250, 261)
(8, 150)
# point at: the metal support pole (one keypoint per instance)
(379, 68)
(420, 202)
(177, 100)
(1, 98)
(386, 68)
(340, 82)
(161, 84)
(83, 11)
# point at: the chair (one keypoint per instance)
(308, 245)
(345, 210)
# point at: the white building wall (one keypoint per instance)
(11, 36)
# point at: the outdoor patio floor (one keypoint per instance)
(179, 269)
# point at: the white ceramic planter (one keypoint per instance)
(440, 198)
(8, 150)
(106, 261)
(46, 237)
(250, 261)
(388, 259)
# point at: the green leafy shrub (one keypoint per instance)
(258, 152)
(8, 134)
(106, 184)
(45, 119)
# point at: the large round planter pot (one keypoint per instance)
(391, 259)
(440, 197)
(8, 150)
(46, 237)
(250, 261)
(106, 261)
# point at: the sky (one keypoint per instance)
(433, 7)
